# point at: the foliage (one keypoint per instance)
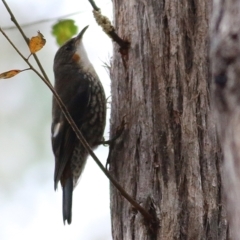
(63, 30)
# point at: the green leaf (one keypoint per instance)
(63, 30)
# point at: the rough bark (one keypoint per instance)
(225, 56)
(168, 157)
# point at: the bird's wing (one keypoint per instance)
(63, 146)
(64, 140)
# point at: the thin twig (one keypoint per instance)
(41, 21)
(108, 28)
(21, 55)
(95, 7)
(68, 117)
(13, 45)
(26, 69)
(25, 38)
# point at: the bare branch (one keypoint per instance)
(108, 28)
(42, 21)
(25, 38)
(95, 7)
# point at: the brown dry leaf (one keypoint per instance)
(36, 43)
(9, 74)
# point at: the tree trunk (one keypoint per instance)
(168, 157)
(225, 56)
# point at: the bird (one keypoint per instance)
(80, 89)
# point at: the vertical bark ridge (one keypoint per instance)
(168, 152)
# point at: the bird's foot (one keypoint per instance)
(111, 142)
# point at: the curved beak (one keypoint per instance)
(79, 36)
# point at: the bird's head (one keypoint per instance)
(71, 52)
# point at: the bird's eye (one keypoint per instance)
(69, 47)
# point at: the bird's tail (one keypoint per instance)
(67, 200)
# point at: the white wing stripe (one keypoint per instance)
(56, 129)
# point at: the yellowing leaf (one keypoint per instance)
(36, 43)
(9, 74)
